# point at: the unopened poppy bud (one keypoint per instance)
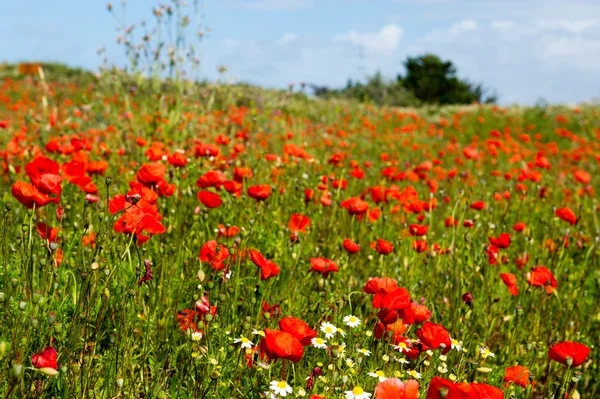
(51, 318)
(37, 296)
(17, 370)
(210, 285)
(576, 376)
(22, 305)
(519, 311)
(57, 326)
(2, 349)
(215, 374)
(267, 315)
(119, 382)
(209, 317)
(7, 206)
(34, 322)
(14, 281)
(108, 180)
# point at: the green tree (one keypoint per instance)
(434, 81)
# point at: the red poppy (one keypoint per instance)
(48, 233)
(380, 285)
(398, 298)
(45, 361)
(139, 216)
(228, 232)
(519, 226)
(151, 173)
(502, 241)
(213, 178)
(571, 354)
(483, 391)
(28, 195)
(492, 253)
(209, 199)
(567, 215)
(214, 254)
(435, 336)
(260, 193)
(395, 330)
(267, 268)
(355, 206)
(419, 245)
(393, 388)
(439, 388)
(511, 282)
(350, 246)
(298, 223)
(542, 277)
(178, 159)
(323, 266)
(418, 230)
(43, 173)
(415, 314)
(298, 328)
(240, 173)
(517, 375)
(468, 223)
(478, 205)
(582, 176)
(281, 345)
(382, 246)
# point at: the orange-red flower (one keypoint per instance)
(260, 193)
(210, 199)
(298, 328)
(382, 246)
(355, 206)
(323, 266)
(350, 246)
(511, 282)
(517, 375)
(435, 336)
(267, 268)
(542, 277)
(393, 388)
(567, 215)
(214, 254)
(281, 345)
(45, 361)
(571, 354)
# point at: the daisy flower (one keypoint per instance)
(349, 363)
(485, 352)
(401, 347)
(258, 332)
(246, 343)
(378, 374)
(341, 332)
(329, 329)
(456, 344)
(402, 360)
(365, 352)
(196, 336)
(281, 388)
(319, 342)
(414, 374)
(357, 393)
(352, 321)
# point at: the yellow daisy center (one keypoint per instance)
(282, 384)
(358, 391)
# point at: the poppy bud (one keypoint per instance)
(119, 382)
(17, 370)
(37, 296)
(51, 318)
(22, 305)
(108, 180)
(468, 298)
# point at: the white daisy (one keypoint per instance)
(414, 374)
(352, 321)
(281, 388)
(196, 336)
(456, 344)
(401, 347)
(329, 329)
(319, 342)
(341, 332)
(378, 374)
(402, 360)
(246, 343)
(258, 332)
(485, 352)
(357, 393)
(365, 352)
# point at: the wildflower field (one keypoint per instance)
(156, 245)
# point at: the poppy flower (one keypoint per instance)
(209, 199)
(478, 205)
(382, 246)
(521, 260)
(582, 176)
(267, 268)
(435, 336)
(502, 241)
(28, 195)
(517, 375)
(415, 314)
(45, 361)
(228, 232)
(542, 277)
(492, 253)
(468, 223)
(393, 388)
(323, 266)
(259, 193)
(43, 173)
(395, 330)
(567, 215)
(281, 345)
(439, 388)
(298, 328)
(571, 354)
(215, 254)
(511, 282)
(519, 226)
(139, 216)
(419, 245)
(48, 233)
(298, 223)
(350, 246)
(396, 299)
(355, 206)
(213, 178)
(151, 173)
(484, 391)
(418, 230)
(241, 173)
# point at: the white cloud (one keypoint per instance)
(463, 26)
(387, 40)
(287, 38)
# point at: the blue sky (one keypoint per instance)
(525, 49)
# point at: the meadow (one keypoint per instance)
(215, 242)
